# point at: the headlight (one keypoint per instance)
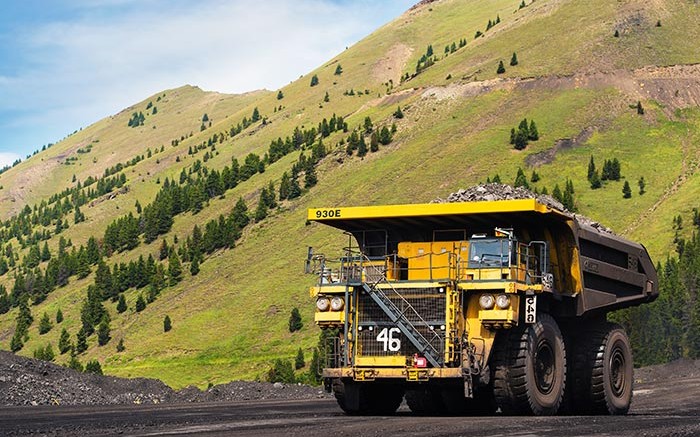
(323, 303)
(486, 301)
(502, 301)
(337, 303)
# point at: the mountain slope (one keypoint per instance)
(577, 80)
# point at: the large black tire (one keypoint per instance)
(529, 368)
(425, 401)
(367, 398)
(602, 371)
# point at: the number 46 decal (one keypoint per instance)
(391, 343)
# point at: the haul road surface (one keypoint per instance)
(666, 402)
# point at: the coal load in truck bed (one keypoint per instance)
(495, 191)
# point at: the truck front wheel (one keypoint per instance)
(530, 368)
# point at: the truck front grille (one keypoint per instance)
(429, 303)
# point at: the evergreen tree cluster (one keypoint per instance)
(281, 371)
(356, 141)
(611, 170)
(566, 197)
(524, 134)
(669, 328)
(426, 60)
(452, 48)
(493, 23)
(23, 225)
(44, 353)
(137, 119)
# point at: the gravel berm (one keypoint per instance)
(495, 191)
(27, 381)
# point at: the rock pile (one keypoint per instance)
(495, 191)
(26, 381)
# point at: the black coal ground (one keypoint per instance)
(26, 381)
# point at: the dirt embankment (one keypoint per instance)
(26, 381)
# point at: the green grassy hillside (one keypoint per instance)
(574, 78)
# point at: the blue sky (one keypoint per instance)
(67, 64)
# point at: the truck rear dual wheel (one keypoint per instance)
(367, 398)
(530, 368)
(602, 371)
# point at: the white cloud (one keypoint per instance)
(7, 158)
(81, 70)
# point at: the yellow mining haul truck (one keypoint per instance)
(466, 308)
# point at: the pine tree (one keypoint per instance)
(362, 147)
(595, 180)
(616, 34)
(642, 185)
(398, 113)
(120, 345)
(294, 189)
(167, 324)
(45, 252)
(280, 95)
(520, 140)
(261, 210)
(74, 364)
(16, 343)
(314, 80)
(521, 179)
(281, 371)
(533, 135)
(514, 60)
(591, 168)
(535, 177)
(284, 186)
(314, 368)
(615, 170)
(64, 344)
(44, 324)
(93, 366)
(239, 214)
(81, 341)
(385, 136)
(369, 127)
(4, 301)
(626, 190)
(140, 304)
(59, 316)
(556, 193)
(103, 331)
(194, 267)
(299, 360)
(326, 98)
(164, 250)
(338, 70)
(174, 268)
(501, 68)
(310, 178)
(295, 323)
(121, 304)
